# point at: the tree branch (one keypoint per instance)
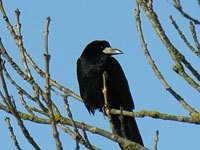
(178, 6)
(159, 30)
(13, 137)
(48, 87)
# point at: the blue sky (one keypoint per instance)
(76, 23)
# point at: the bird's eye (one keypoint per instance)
(102, 47)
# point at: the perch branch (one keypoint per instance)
(92, 129)
(157, 115)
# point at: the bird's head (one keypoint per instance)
(100, 47)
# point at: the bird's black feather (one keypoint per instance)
(90, 67)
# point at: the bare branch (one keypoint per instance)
(21, 73)
(78, 135)
(87, 142)
(73, 135)
(89, 128)
(39, 71)
(13, 137)
(106, 105)
(178, 6)
(183, 37)
(24, 103)
(48, 87)
(14, 111)
(156, 140)
(19, 42)
(176, 56)
(157, 115)
(194, 35)
(52, 116)
(22, 91)
(192, 111)
(9, 26)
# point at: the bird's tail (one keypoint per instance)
(131, 130)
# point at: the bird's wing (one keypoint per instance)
(90, 84)
(118, 89)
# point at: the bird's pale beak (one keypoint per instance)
(112, 51)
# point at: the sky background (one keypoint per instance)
(76, 23)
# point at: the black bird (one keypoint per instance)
(94, 60)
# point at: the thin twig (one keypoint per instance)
(31, 81)
(192, 111)
(13, 102)
(178, 6)
(89, 146)
(78, 137)
(194, 35)
(73, 135)
(16, 67)
(176, 56)
(57, 93)
(67, 130)
(48, 88)
(193, 71)
(30, 60)
(106, 105)
(92, 129)
(183, 36)
(38, 91)
(13, 137)
(4, 100)
(24, 103)
(39, 111)
(73, 123)
(156, 140)
(14, 111)
(19, 42)
(9, 26)
(19, 71)
(21, 90)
